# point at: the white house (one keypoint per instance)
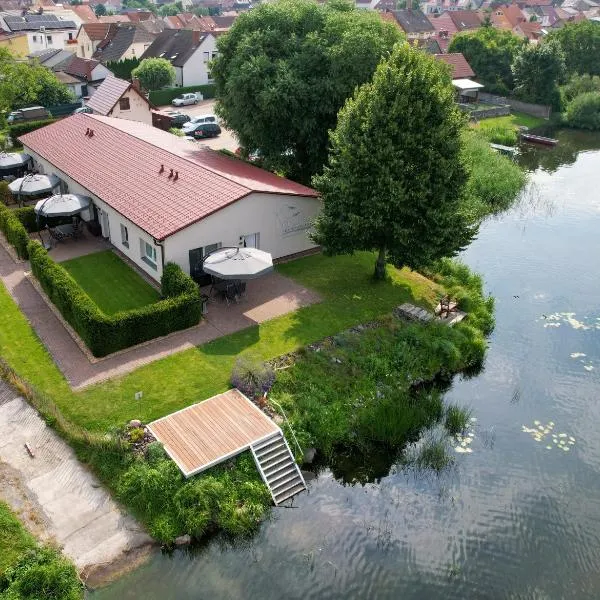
(160, 198)
(44, 32)
(189, 51)
(122, 100)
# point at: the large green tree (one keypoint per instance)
(537, 71)
(23, 84)
(100, 10)
(154, 73)
(490, 52)
(286, 68)
(395, 178)
(581, 45)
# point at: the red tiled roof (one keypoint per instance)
(443, 22)
(115, 19)
(96, 31)
(531, 31)
(466, 19)
(81, 67)
(175, 22)
(461, 69)
(85, 13)
(120, 164)
(108, 94)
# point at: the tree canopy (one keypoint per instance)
(537, 71)
(583, 112)
(23, 84)
(491, 53)
(395, 178)
(100, 10)
(154, 73)
(286, 68)
(169, 10)
(580, 43)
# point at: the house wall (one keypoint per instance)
(76, 89)
(49, 39)
(139, 109)
(178, 77)
(195, 71)
(282, 222)
(135, 50)
(113, 234)
(17, 46)
(85, 47)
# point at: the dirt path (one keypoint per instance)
(59, 499)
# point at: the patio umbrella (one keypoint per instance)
(31, 185)
(62, 205)
(238, 263)
(13, 160)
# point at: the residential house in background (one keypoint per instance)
(190, 52)
(75, 85)
(89, 36)
(114, 19)
(507, 17)
(122, 100)
(123, 40)
(413, 22)
(160, 199)
(467, 90)
(89, 72)
(16, 43)
(52, 59)
(84, 12)
(445, 29)
(43, 31)
(466, 20)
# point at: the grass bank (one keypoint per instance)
(29, 571)
(504, 130)
(369, 391)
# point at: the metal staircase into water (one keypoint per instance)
(278, 468)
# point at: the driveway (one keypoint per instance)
(226, 140)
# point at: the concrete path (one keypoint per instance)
(266, 298)
(59, 495)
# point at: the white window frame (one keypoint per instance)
(124, 235)
(148, 253)
(49, 39)
(256, 237)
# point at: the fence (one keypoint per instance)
(536, 110)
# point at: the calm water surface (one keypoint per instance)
(511, 520)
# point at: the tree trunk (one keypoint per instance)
(380, 264)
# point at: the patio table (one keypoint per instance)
(66, 230)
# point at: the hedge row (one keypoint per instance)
(28, 218)
(14, 231)
(161, 97)
(122, 68)
(18, 129)
(6, 196)
(105, 334)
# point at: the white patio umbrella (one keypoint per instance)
(13, 160)
(30, 185)
(62, 205)
(238, 263)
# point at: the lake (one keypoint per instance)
(519, 517)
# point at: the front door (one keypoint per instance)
(197, 274)
(250, 241)
(104, 223)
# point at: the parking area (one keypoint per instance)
(226, 140)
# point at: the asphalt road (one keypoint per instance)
(227, 138)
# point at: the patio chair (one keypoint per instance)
(56, 235)
(77, 229)
(231, 293)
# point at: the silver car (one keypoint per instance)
(184, 99)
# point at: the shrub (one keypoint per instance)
(434, 454)
(175, 282)
(104, 334)
(583, 112)
(252, 376)
(160, 97)
(122, 68)
(580, 84)
(6, 196)
(18, 129)
(14, 231)
(28, 218)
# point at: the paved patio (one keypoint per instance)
(266, 298)
(69, 248)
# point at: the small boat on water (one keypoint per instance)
(538, 139)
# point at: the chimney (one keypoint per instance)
(176, 176)
(196, 36)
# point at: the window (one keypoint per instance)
(34, 38)
(49, 39)
(148, 253)
(124, 104)
(206, 57)
(250, 241)
(70, 36)
(124, 236)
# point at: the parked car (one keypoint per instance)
(31, 113)
(83, 109)
(178, 119)
(206, 130)
(198, 121)
(184, 99)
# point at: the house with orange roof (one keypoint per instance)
(507, 16)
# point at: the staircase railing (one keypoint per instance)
(288, 423)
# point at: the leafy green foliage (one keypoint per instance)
(395, 178)
(580, 43)
(173, 9)
(6, 196)
(456, 419)
(161, 97)
(28, 218)
(123, 68)
(102, 333)
(41, 573)
(434, 453)
(18, 129)
(14, 539)
(174, 282)
(365, 390)
(490, 52)
(583, 112)
(537, 71)
(494, 180)
(100, 10)
(286, 68)
(13, 229)
(580, 84)
(154, 73)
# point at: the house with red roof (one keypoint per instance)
(467, 90)
(160, 198)
(122, 100)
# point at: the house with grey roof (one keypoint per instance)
(44, 31)
(190, 53)
(123, 40)
(414, 23)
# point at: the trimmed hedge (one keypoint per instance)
(161, 97)
(16, 234)
(122, 68)
(175, 282)
(28, 218)
(6, 196)
(18, 129)
(105, 334)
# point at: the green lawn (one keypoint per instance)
(110, 282)
(350, 296)
(14, 538)
(503, 130)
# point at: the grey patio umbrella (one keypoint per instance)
(238, 263)
(62, 205)
(31, 185)
(13, 160)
